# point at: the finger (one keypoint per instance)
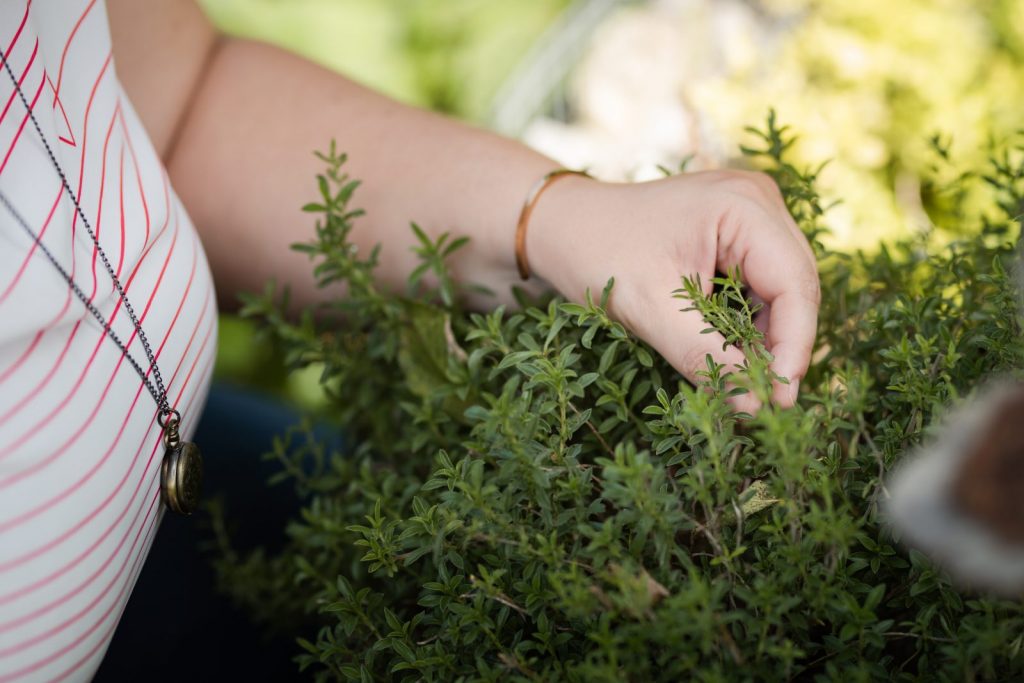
(778, 202)
(679, 338)
(791, 330)
(761, 319)
(778, 270)
(788, 219)
(795, 362)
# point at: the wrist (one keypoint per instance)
(534, 196)
(560, 229)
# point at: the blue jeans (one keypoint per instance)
(176, 627)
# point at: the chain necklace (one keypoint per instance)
(181, 470)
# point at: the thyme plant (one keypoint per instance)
(535, 495)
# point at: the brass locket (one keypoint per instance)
(181, 472)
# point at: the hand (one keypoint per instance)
(649, 235)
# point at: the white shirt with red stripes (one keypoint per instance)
(80, 449)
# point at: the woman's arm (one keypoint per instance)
(238, 143)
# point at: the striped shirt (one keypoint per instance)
(80, 449)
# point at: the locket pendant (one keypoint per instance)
(181, 472)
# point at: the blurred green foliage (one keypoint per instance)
(449, 55)
(867, 84)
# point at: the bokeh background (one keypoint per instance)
(873, 87)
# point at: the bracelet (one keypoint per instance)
(524, 216)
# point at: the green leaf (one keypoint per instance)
(423, 352)
(756, 498)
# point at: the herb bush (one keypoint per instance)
(535, 495)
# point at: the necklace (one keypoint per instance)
(181, 470)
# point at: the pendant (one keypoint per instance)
(181, 478)
(181, 472)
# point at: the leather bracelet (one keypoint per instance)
(524, 216)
